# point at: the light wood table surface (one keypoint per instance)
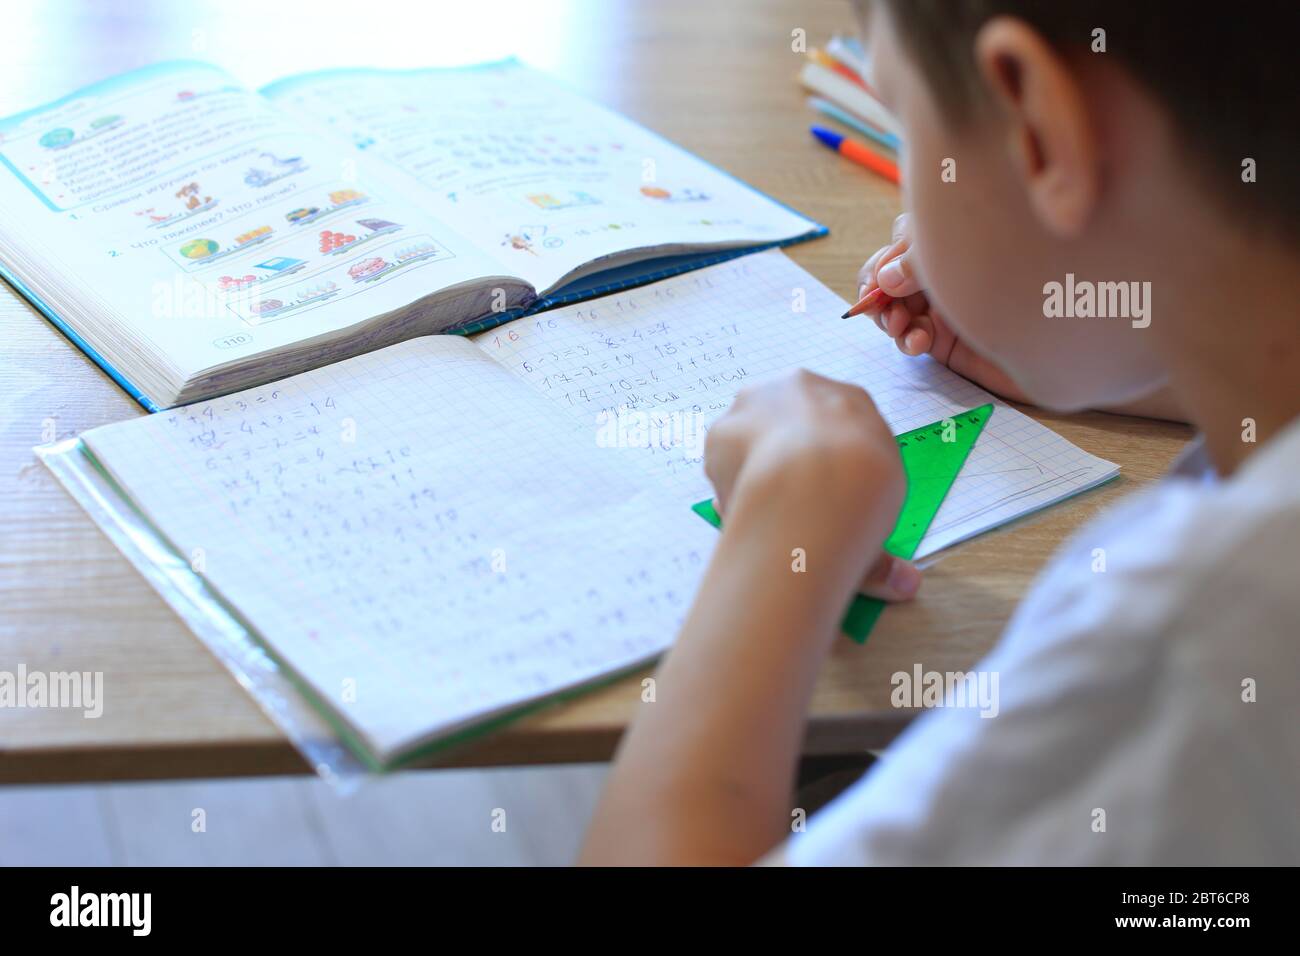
(716, 78)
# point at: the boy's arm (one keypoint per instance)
(704, 775)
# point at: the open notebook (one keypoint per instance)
(195, 237)
(443, 530)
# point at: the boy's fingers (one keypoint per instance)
(724, 451)
(867, 274)
(899, 229)
(912, 332)
(916, 338)
(916, 342)
(891, 579)
(897, 276)
(896, 318)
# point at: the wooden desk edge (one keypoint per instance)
(829, 736)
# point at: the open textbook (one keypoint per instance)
(450, 528)
(195, 237)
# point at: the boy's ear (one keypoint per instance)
(1053, 142)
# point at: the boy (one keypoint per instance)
(1147, 714)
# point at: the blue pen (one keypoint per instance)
(858, 152)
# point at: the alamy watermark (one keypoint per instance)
(626, 428)
(74, 908)
(922, 688)
(1082, 299)
(74, 690)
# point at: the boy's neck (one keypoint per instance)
(1234, 356)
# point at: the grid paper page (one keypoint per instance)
(678, 351)
(416, 534)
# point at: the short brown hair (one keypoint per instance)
(1226, 72)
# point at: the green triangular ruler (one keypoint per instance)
(933, 456)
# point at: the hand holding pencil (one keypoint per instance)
(891, 293)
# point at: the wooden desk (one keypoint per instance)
(715, 77)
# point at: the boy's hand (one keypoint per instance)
(816, 454)
(915, 327)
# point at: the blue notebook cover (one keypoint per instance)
(592, 286)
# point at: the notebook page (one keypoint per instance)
(417, 535)
(665, 360)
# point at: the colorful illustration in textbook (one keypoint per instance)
(328, 205)
(486, 142)
(277, 169)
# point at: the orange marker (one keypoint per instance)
(850, 74)
(858, 152)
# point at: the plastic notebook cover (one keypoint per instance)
(327, 743)
(219, 628)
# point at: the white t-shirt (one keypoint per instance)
(1146, 714)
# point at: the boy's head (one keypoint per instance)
(1111, 140)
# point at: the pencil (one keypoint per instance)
(874, 301)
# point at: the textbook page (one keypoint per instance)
(213, 224)
(529, 170)
(417, 534)
(647, 370)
